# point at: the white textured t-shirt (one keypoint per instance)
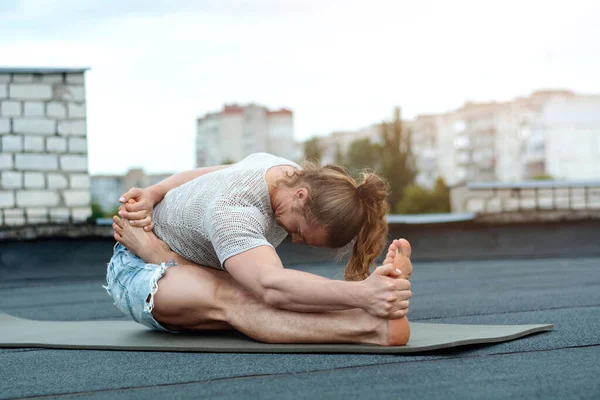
(221, 214)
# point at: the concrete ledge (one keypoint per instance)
(540, 216)
(30, 232)
(457, 241)
(42, 70)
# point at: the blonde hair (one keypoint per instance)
(348, 210)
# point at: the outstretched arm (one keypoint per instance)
(139, 203)
(260, 270)
(179, 179)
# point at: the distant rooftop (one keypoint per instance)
(41, 70)
(549, 184)
(235, 108)
(429, 218)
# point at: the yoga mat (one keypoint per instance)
(126, 335)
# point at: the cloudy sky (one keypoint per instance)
(339, 64)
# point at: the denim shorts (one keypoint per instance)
(132, 284)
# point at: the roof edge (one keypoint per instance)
(41, 70)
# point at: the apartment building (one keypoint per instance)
(551, 132)
(565, 141)
(424, 139)
(340, 141)
(238, 131)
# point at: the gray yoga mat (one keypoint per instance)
(125, 335)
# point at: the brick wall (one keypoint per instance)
(43, 147)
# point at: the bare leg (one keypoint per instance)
(190, 297)
(196, 297)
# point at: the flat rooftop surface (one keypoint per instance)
(61, 280)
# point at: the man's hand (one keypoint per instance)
(137, 205)
(386, 296)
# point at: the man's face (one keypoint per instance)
(295, 224)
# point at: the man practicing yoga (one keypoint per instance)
(211, 263)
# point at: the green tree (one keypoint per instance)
(97, 211)
(312, 150)
(441, 194)
(543, 177)
(418, 200)
(397, 162)
(111, 213)
(362, 154)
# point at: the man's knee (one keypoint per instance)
(184, 297)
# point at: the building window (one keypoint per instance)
(459, 126)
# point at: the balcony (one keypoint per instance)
(561, 199)
(462, 142)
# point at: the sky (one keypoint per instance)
(156, 66)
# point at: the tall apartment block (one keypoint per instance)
(552, 132)
(238, 131)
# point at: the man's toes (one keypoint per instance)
(404, 248)
(118, 221)
(402, 260)
(392, 251)
(389, 257)
(117, 229)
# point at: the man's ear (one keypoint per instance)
(301, 194)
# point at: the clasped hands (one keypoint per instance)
(137, 206)
(388, 293)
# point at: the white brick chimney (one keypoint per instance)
(43, 146)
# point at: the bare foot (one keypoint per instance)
(141, 243)
(399, 254)
(392, 332)
(392, 250)
(398, 332)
